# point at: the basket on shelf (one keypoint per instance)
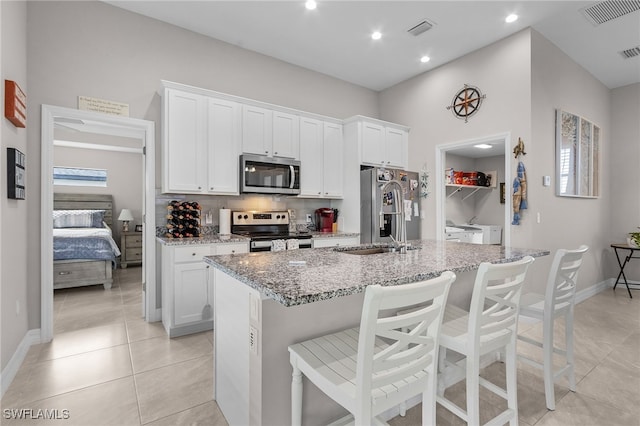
(183, 219)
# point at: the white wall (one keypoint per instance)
(501, 71)
(93, 49)
(14, 216)
(567, 222)
(625, 158)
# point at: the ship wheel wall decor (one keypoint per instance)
(466, 102)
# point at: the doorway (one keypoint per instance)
(105, 125)
(500, 144)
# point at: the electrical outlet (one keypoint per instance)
(308, 217)
(253, 340)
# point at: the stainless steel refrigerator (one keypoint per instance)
(377, 228)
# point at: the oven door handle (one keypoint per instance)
(292, 171)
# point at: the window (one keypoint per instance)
(72, 176)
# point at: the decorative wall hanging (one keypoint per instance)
(519, 185)
(15, 174)
(577, 156)
(15, 104)
(466, 102)
(424, 182)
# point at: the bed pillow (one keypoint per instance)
(78, 218)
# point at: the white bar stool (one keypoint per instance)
(558, 300)
(489, 326)
(375, 367)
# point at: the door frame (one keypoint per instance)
(118, 126)
(441, 193)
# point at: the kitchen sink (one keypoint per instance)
(362, 251)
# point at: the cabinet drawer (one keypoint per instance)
(192, 253)
(134, 240)
(231, 248)
(133, 254)
(65, 272)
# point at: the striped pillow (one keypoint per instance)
(78, 218)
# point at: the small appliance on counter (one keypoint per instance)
(324, 219)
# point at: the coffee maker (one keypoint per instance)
(324, 219)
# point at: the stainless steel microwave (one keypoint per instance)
(269, 175)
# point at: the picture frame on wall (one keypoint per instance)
(502, 194)
(138, 228)
(16, 173)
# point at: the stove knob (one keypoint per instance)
(246, 217)
(239, 216)
(278, 217)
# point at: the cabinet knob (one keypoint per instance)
(193, 254)
(266, 152)
(199, 187)
(319, 192)
(275, 153)
(233, 251)
(211, 188)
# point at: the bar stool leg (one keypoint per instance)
(511, 365)
(569, 342)
(547, 349)
(296, 397)
(473, 390)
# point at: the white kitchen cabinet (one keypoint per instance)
(321, 157)
(201, 144)
(224, 121)
(380, 143)
(188, 283)
(335, 242)
(270, 133)
(184, 141)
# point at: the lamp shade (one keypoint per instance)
(125, 214)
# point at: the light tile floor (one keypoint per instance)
(106, 366)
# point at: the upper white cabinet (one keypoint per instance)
(321, 156)
(270, 133)
(380, 144)
(184, 137)
(224, 127)
(201, 144)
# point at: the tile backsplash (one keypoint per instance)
(212, 204)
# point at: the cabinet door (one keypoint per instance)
(224, 146)
(333, 160)
(373, 144)
(396, 141)
(311, 157)
(286, 135)
(256, 130)
(192, 288)
(184, 144)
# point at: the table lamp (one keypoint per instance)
(125, 217)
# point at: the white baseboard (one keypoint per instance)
(588, 292)
(9, 373)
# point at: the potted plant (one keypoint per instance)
(634, 239)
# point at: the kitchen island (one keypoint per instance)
(265, 302)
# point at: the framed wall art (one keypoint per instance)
(15, 174)
(577, 156)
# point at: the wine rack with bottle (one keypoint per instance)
(183, 219)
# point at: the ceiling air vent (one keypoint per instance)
(631, 53)
(421, 27)
(605, 11)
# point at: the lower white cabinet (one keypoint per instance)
(335, 242)
(188, 285)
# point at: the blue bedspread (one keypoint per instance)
(96, 244)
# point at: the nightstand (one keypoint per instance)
(130, 248)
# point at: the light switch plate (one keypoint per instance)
(546, 180)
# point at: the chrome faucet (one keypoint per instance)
(401, 228)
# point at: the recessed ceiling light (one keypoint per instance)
(511, 18)
(310, 4)
(376, 35)
(425, 59)
(483, 146)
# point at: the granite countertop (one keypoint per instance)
(296, 277)
(207, 239)
(339, 234)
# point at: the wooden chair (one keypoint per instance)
(489, 327)
(373, 368)
(558, 300)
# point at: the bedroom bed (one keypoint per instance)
(84, 250)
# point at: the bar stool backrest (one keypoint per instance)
(561, 284)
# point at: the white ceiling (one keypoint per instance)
(335, 38)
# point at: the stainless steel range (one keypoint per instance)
(264, 227)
